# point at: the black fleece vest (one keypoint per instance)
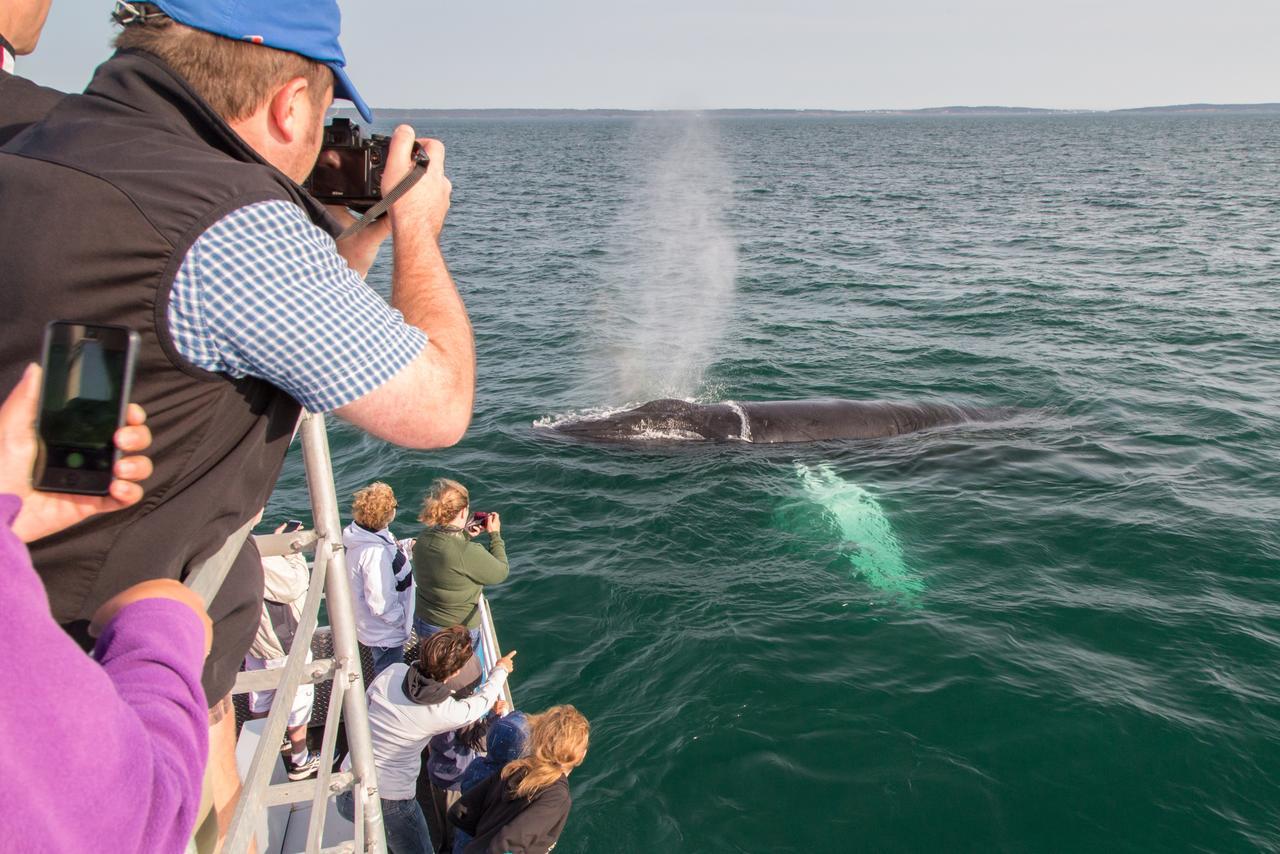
(99, 203)
(21, 103)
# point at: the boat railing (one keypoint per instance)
(489, 644)
(347, 704)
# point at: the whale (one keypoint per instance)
(870, 545)
(767, 422)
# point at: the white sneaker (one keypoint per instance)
(304, 769)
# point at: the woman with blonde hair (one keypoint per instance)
(452, 571)
(523, 809)
(381, 577)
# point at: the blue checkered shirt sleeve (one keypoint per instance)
(263, 292)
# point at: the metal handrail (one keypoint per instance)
(489, 643)
(355, 712)
(329, 577)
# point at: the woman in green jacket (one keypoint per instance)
(450, 570)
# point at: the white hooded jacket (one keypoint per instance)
(383, 614)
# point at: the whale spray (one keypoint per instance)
(669, 284)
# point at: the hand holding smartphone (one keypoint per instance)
(43, 512)
(88, 376)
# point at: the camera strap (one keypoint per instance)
(419, 169)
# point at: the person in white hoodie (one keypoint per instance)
(410, 703)
(381, 577)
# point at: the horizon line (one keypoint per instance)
(1262, 106)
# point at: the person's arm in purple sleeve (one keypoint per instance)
(96, 756)
(113, 751)
(153, 652)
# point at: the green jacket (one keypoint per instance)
(450, 571)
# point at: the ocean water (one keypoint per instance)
(1057, 632)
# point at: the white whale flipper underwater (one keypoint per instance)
(877, 556)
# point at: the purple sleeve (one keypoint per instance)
(108, 753)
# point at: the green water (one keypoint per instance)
(1057, 632)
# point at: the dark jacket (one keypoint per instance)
(501, 822)
(22, 103)
(99, 203)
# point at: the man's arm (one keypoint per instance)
(263, 292)
(427, 404)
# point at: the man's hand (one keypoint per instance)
(422, 210)
(360, 249)
(501, 707)
(506, 662)
(442, 379)
(45, 513)
(156, 588)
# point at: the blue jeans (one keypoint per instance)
(404, 822)
(384, 657)
(426, 630)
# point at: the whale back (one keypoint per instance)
(663, 420)
(767, 422)
(831, 418)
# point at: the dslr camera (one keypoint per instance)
(349, 168)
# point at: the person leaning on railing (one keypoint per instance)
(102, 753)
(166, 199)
(410, 703)
(524, 807)
(451, 570)
(505, 742)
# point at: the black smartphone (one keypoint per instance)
(292, 525)
(88, 374)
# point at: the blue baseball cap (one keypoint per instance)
(308, 28)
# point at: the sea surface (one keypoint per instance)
(1059, 631)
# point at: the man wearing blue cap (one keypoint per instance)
(166, 199)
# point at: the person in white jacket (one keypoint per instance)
(408, 705)
(381, 576)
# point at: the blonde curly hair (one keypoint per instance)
(557, 743)
(374, 506)
(444, 501)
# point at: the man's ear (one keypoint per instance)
(288, 114)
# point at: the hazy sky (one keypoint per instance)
(835, 54)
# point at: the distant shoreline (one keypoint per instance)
(500, 113)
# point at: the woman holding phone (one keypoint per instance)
(450, 569)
